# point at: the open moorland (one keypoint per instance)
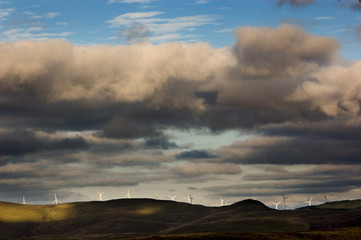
(159, 219)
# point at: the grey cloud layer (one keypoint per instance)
(20, 142)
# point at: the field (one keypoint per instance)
(156, 219)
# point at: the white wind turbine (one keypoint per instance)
(190, 199)
(276, 205)
(100, 196)
(24, 202)
(156, 195)
(324, 197)
(172, 197)
(284, 201)
(128, 194)
(309, 201)
(221, 201)
(56, 201)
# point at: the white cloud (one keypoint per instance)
(201, 2)
(32, 33)
(5, 13)
(324, 18)
(161, 26)
(51, 14)
(128, 19)
(62, 23)
(341, 30)
(28, 13)
(225, 30)
(41, 16)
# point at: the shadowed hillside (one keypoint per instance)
(346, 204)
(147, 217)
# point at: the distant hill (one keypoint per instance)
(346, 204)
(124, 218)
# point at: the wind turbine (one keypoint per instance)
(309, 201)
(284, 201)
(276, 205)
(324, 197)
(24, 202)
(128, 194)
(56, 201)
(100, 196)
(172, 197)
(156, 195)
(190, 199)
(222, 201)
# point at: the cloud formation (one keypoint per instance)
(21, 142)
(192, 169)
(334, 90)
(286, 50)
(195, 154)
(4, 13)
(106, 109)
(152, 24)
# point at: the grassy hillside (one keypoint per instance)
(143, 217)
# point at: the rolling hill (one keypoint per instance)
(126, 218)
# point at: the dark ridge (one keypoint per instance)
(345, 204)
(250, 205)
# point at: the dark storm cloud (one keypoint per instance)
(293, 150)
(313, 180)
(322, 172)
(287, 187)
(199, 170)
(119, 127)
(297, 3)
(160, 142)
(39, 180)
(20, 142)
(194, 154)
(335, 129)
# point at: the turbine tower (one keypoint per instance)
(221, 201)
(128, 194)
(309, 201)
(24, 202)
(276, 205)
(56, 201)
(190, 199)
(172, 197)
(156, 195)
(324, 197)
(100, 196)
(284, 201)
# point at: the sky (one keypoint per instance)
(235, 99)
